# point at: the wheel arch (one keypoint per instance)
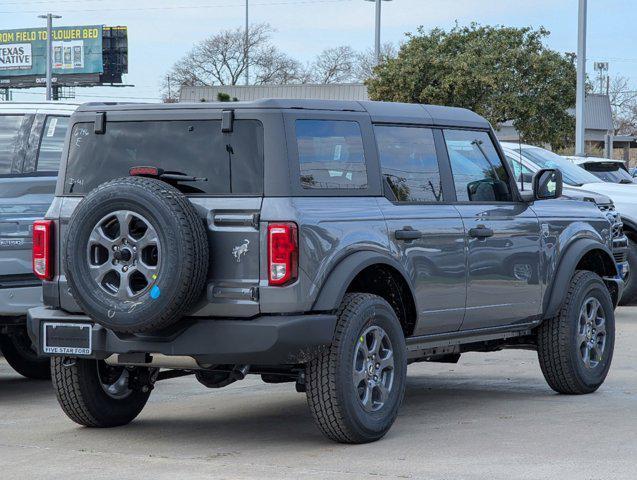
(367, 272)
(581, 254)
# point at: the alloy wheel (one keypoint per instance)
(591, 336)
(123, 254)
(373, 369)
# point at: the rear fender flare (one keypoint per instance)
(333, 289)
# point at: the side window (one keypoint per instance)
(409, 163)
(479, 174)
(51, 144)
(9, 140)
(331, 154)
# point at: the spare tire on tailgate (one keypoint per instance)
(136, 255)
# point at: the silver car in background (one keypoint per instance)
(31, 141)
(621, 208)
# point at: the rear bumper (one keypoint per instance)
(16, 301)
(265, 340)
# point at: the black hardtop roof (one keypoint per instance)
(380, 112)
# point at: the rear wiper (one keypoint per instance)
(161, 174)
(625, 181)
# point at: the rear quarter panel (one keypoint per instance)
(330, 229)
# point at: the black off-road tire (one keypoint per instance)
(182, 267)
(558, 346)
(80, 394)
(331, 394)
(20, 354)
(629, 296)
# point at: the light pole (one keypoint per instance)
(580, 127)
(246, 52)
(377, 36)
(49, 52)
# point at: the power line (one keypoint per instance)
(95, 96)
(614, 59)
(184, 7)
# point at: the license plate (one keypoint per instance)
(67, 338)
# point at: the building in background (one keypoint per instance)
(348, 91)
(598, 121)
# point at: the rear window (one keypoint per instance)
(609, 172)
(229, 163)
(331, 154)
(51, 145)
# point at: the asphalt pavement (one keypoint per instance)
(491, 416)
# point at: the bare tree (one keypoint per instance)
(222, 58)
(366, 61)
(334, 65)
(275, 67)
(623, 101)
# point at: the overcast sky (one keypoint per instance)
(160, 32)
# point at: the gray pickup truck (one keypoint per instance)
(31, 140)
(324, 243)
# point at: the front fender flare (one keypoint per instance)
(557, 290)
(335, 285)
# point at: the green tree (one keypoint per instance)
(502, 73)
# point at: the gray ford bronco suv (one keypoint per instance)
(325, 243)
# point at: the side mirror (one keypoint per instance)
(547, 184)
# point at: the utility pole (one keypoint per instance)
(49, 52)
(580, 127)
(246, 52)
(377, 29)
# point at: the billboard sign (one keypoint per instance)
(76, 50)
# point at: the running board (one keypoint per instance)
(445, 343)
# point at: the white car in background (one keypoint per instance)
(525, 160)
(608, 170)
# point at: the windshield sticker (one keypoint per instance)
(51, 130)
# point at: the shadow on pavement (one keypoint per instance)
(14, 388)
(279, 422)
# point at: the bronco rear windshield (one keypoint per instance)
(225, 163)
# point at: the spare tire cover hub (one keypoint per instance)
(123, 254)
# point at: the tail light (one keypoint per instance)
(43, 249)
(283, 253)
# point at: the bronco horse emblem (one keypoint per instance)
(240, 250)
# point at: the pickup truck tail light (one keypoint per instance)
(43, 249)
(283, 253)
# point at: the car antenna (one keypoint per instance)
(520, 161)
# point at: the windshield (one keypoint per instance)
(609, 172)
(572, 174)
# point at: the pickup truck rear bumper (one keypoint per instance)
(264, 340)
(15, 301)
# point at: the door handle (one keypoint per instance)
(407, 233)
(480, 232)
